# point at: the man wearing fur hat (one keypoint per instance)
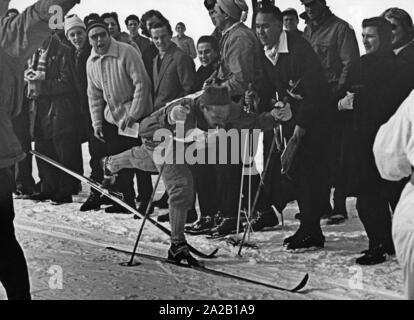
(214, 109)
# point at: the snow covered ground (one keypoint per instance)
(67, 259)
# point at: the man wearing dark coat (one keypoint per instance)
(173, 75)
(293, 70)
(335, 43)
(56, 118)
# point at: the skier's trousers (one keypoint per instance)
(13, 269)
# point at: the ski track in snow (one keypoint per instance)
(75, 241)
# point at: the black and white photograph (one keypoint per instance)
(206, 155)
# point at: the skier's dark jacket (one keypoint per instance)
(238, 119)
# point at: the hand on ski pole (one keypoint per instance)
(282, 112)
(179, 113)
(251, 99)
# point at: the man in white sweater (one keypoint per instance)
(119, 93)
(394, 155)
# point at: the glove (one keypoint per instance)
(347, 103)
(282, 112)
(251, 99)
(178, 114)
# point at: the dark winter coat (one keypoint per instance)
(77, 61)
(312, 113)
(57, 109)
(376, 81)
(174, 78)
(203, 73)
(300, 64)
(237, 119)
(407, 55)
(148, 57)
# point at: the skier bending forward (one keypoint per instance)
(212, 110)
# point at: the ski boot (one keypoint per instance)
(226, 227)
(264, 220)
(203, 226)
(375, 255)
(305, 242)
(179, 252)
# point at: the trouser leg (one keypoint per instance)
(69, 153)
(48, 173)
(312, 181)
(115, 145)
(97, 151)
(374, 212)
(13, 268)
(179, 184)
(229, 180)
(205, 183)
(23, 169)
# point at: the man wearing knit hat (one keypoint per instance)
(214, 109)
(119, 92)
(240, 49)
(75, 31)
(240, 66)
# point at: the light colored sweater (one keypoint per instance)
(118, 85)
(186, 44)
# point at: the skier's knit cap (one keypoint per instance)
(73, 21)
(215, 96)
(95, 24)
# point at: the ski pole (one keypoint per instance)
(265, 171)
(148, 210)
(241, 189)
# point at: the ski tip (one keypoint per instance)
(302, 284)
